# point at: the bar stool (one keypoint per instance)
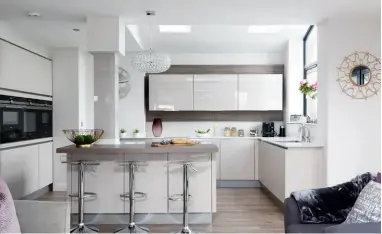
(82, 195)
(132, 196)
(187, 165)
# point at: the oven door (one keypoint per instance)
(30, 124)
(11, 123)
(45, 123)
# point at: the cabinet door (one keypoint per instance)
(24, 71)
(200, 184)
(171, 92)
(215, 92)
(237, 159)
(19, 169)
(45, 160)
(261, 92)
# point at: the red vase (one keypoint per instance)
(157, 127)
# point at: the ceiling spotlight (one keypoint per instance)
(76, 29)
(34, 14)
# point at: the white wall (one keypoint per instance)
(10, 34)
(293, 102)
(351, 128)
(72, 102)
(227, 59)
(132, 114)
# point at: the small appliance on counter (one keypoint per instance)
(268, 129)
(254, 132)
(282, 131)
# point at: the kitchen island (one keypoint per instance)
(159, 176)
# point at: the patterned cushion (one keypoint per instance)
(367, 207)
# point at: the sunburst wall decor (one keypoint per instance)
(359, 75)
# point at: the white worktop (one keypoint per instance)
(283, 142)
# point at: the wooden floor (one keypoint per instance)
(239, 210)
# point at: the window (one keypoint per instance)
(310, 70)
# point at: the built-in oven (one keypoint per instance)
(24, 119)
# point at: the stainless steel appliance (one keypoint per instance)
(268, 129)
(24, 119)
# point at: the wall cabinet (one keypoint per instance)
(283, 171)
(24, 71)
(237, 159)
(215, 92)
(171, 92)
(261, 92)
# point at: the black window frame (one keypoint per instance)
(307, 67)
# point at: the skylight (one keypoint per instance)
(175, 28)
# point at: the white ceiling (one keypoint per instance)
(218, 26)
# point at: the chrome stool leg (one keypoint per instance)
(132, 227)
(186, 228)
(81, 227)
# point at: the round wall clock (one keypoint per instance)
(359, 75)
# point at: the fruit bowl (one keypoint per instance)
(83, 138)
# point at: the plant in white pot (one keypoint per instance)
(122, 133)
(137, 133)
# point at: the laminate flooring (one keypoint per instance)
(239, 210)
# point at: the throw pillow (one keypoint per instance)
(9, 222)
(367, 207)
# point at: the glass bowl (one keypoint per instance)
(83, 138)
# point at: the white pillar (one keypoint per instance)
(106, 40)
(106, 90)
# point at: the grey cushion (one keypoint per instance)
(307, 228)
(355, 228)
(367, 207)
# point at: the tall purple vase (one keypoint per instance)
(157, 127)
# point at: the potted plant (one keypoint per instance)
(122, 133)
(202, 133)
(136, 133)
(310, 90)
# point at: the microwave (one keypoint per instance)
(25, 119)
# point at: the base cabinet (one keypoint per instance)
(19, 169)
(283, 171)
(237, 159)
(199, 184)
(45, 164)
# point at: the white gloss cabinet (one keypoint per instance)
(260, 92)
(200, 184)
(171, 92)
(215, 92)
(45, 164)
(22, 70)
(237, 159)
(19, 169)
(283, 171)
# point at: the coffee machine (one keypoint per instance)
(268, 129)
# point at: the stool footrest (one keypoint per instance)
(86, 195)
(179, 197)
(138, 195)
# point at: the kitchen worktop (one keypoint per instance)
(137, 149)
(283, 142)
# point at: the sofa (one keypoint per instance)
(292, 223)
(43, 216)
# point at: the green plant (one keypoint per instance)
(136, 131)
(202, 131)
(122, 130)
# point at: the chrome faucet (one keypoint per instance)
(304, 133)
